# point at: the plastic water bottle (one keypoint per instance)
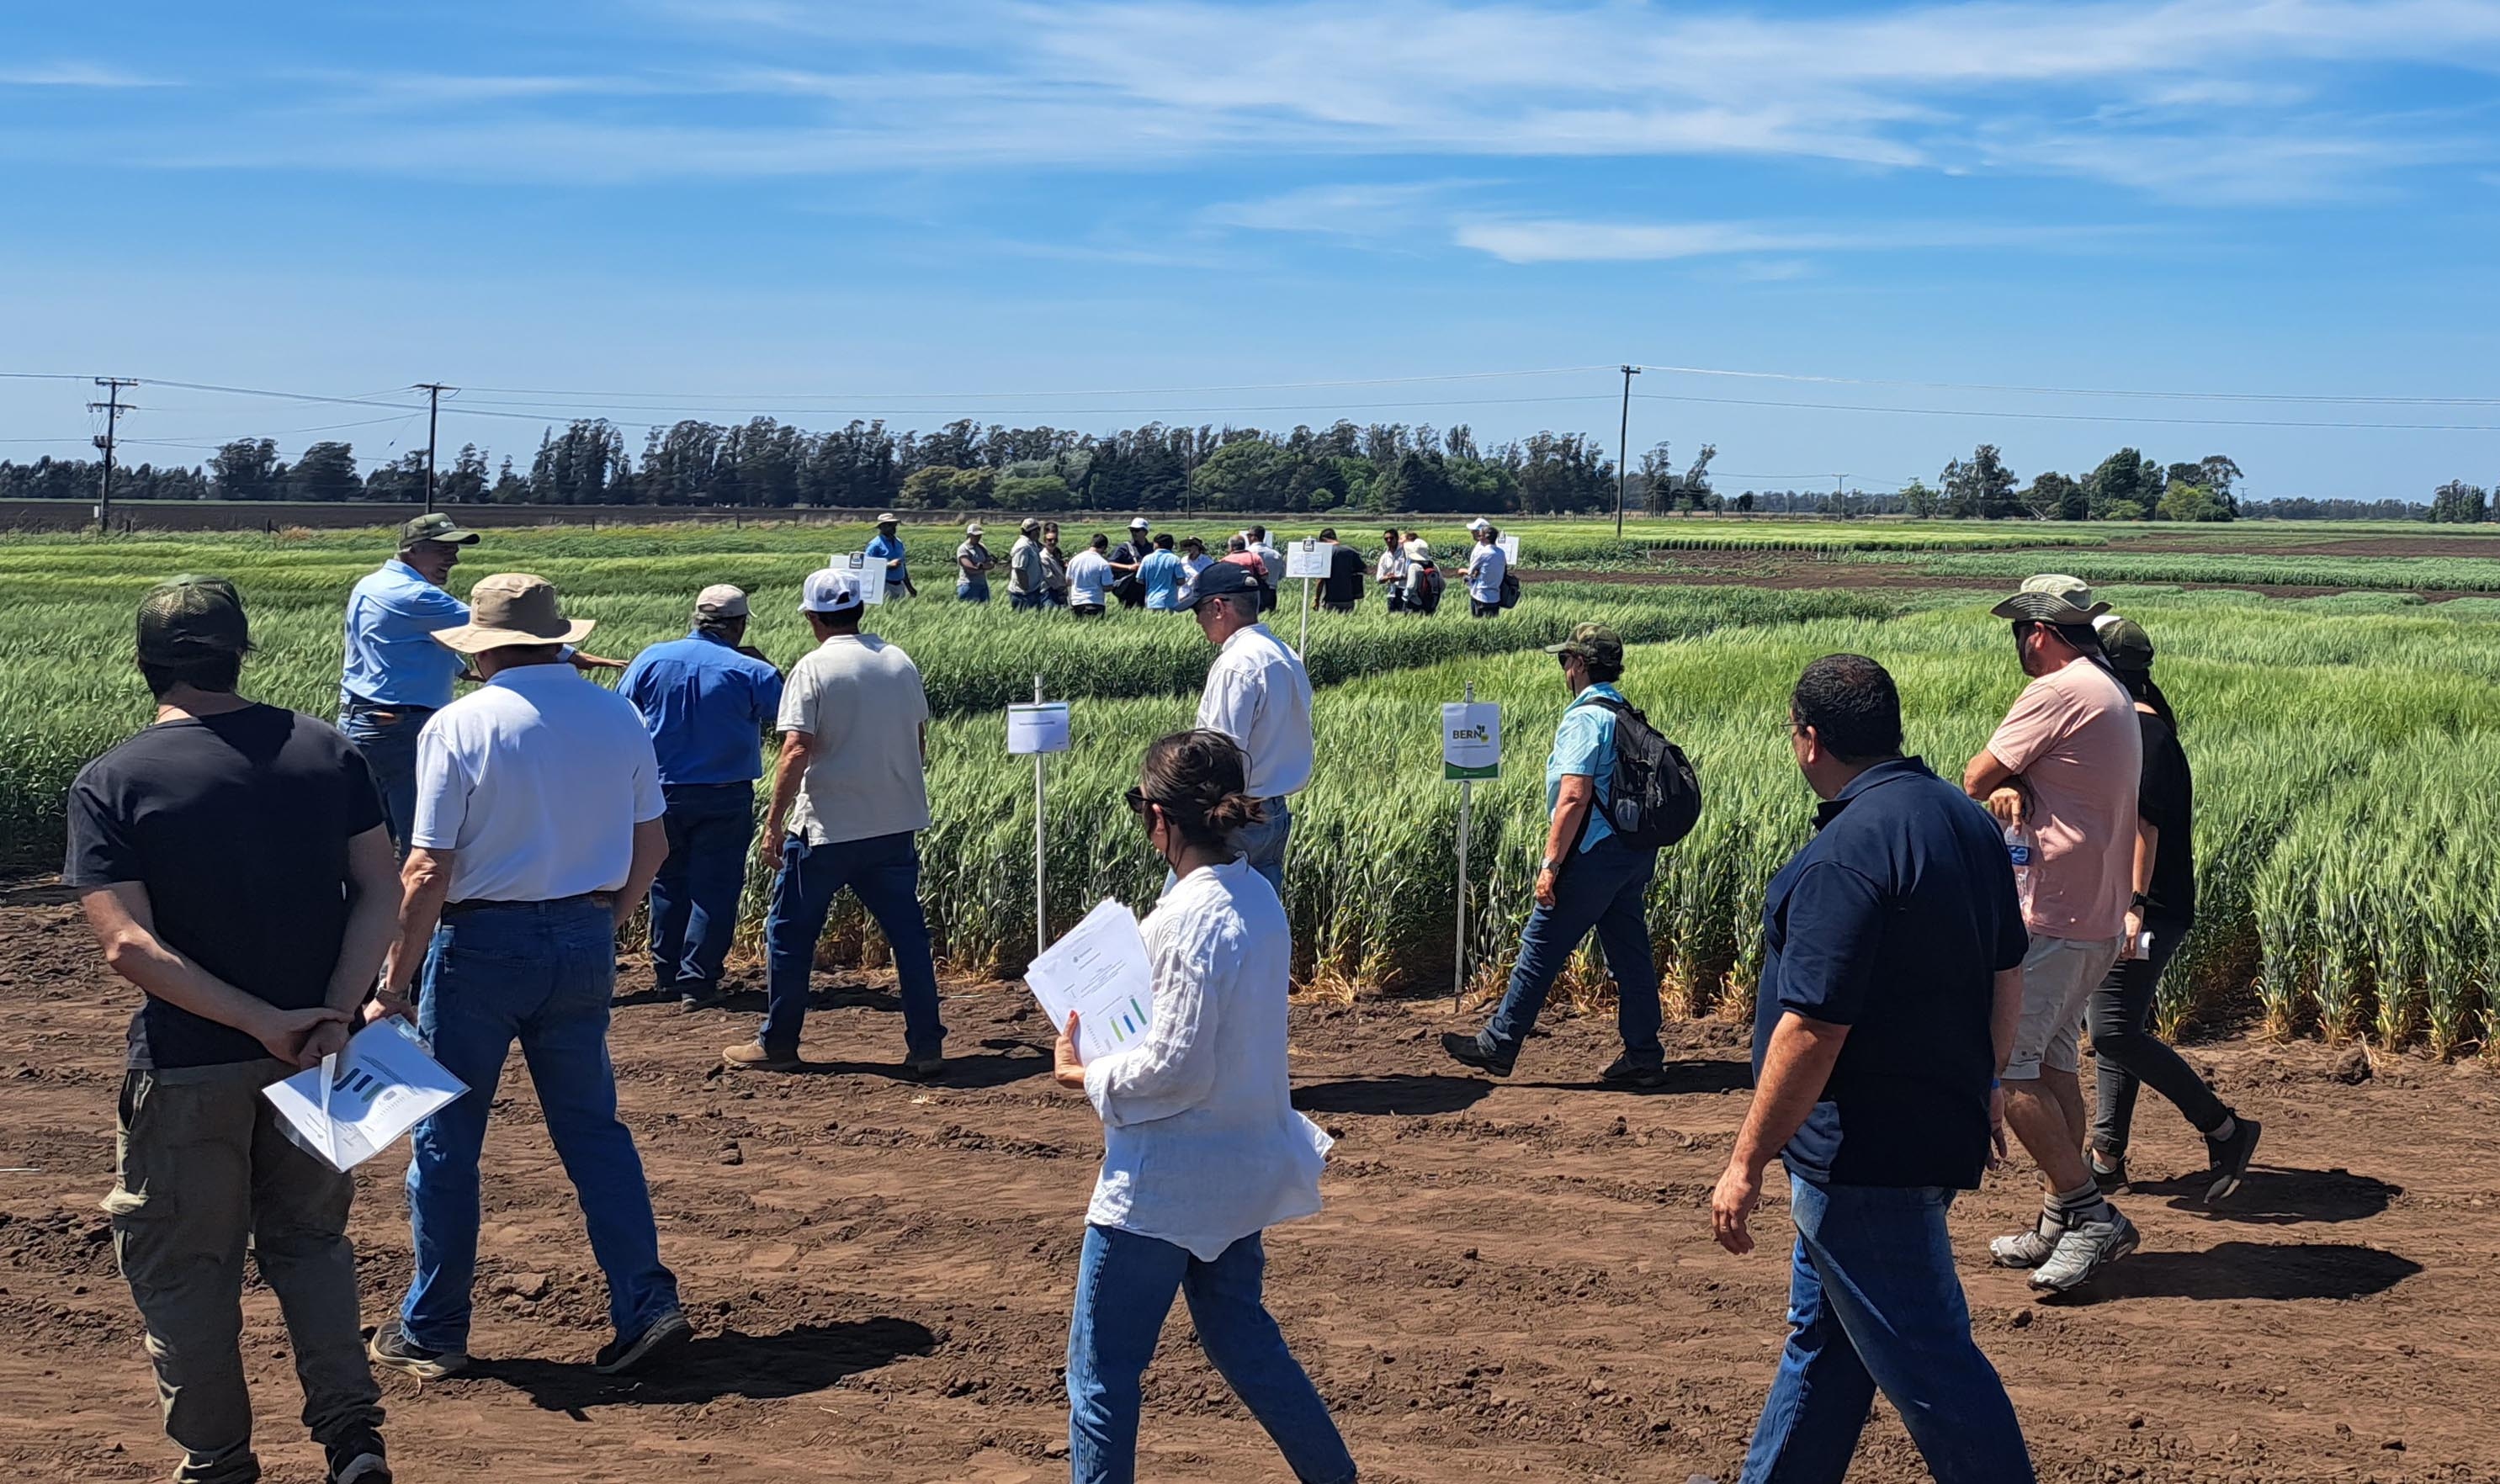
(2018, 850)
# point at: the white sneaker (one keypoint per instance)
(2085, 1251)
(2028, 1249)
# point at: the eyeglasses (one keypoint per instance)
(1137, 800)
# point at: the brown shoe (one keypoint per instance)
(748, 1056)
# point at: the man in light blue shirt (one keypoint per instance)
(1589, 879)
(706, 706)
(1163, 573)
(888, 544)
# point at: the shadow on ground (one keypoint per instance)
(1401, 1093)
(2275, 1197)
(2248, 1270)
(805, 1358)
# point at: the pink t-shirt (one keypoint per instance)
(2072, 739)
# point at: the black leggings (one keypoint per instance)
(2127, 1054)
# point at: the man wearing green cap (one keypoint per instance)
(1589, 879)
(232, 862)
(2060, 776)
(396, 676)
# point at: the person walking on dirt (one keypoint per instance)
(2126, 1053)
(1202, 1149)
(1258, 694)
(887, 544)
(2061, 776)
(539, 828)
(706, 705)
(232, 861)
(1589, 880)
(1892, 982)
(396, 677)
(850, 795)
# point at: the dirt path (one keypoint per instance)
(1511, 1281)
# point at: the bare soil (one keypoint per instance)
(1793, 571)
(1512, 1280)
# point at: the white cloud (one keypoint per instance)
(71, 74)
(1564, 240)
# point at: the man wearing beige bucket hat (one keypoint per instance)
(2060, 776)
(539, 828)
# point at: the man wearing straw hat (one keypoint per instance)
(539, 828)
(887, 543)
(2060, 776)
(708, 705)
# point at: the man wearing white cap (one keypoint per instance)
(887, 543)
(707, 707)
(850, 796)
(538, 832)
(973, 564)
(1127, 557)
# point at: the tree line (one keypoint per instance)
(966, 465)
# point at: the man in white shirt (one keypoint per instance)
(540, 824)
(1090, 579)
(1390, 571)
(1028, 575)
(850, 796)
(1269, 556)
(1487, 564)
(1258, 694)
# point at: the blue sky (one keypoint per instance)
(1095, 213)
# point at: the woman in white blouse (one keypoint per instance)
(1202, 1148)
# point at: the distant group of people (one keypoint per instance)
(271, 884)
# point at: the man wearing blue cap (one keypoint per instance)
(1258, 694)
(850, 795)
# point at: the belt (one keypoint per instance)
(479, 904)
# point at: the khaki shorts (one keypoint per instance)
(2058, 974)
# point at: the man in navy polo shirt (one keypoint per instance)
(707, 705)
(1892, 984)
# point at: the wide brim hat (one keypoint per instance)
(513, 608)
(2051, 597)
(889, 518)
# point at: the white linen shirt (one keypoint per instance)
(1259, 695)
(535, 779)
(1201, 1145)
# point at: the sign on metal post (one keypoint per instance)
(1306, 559)
(869, 570)
(1510, 546)
(1039, 730)
(1470, 749)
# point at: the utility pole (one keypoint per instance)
(1623, 448)
(434, 391)
(1840, 495)
(111, 406)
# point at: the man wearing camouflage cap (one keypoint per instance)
(396, 677)
(2060, 776)
(232, 862)
(708, 704)
(1589, 879)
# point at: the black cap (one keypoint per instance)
(192, 617)
(1219, 580)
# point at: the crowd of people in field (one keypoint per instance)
(1932, 956)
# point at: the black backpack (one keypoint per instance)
(1654, 797)
(1509, 595)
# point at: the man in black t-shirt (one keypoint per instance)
(1342, 588)
(233, 864)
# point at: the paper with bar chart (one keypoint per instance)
(351, 1106)
(1100, 971)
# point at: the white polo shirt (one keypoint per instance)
(1259, 695)
(535, 779)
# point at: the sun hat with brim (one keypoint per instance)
(1591, 641)
(1222, 580)
(2051, 597)
(889, 518)
(513, 608)
(436, 526)
(2124, 644)
(192, 617)
(721, 601)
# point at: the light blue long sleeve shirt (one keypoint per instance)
(392, 658)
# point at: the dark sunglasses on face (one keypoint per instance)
(1137, 800)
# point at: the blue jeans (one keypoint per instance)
(542, 973)
(1025, 603)
(1125, 1284)
(1599, 888)
(694, 899)
(387, 734)
(884, 873)
(973, 589)
(1873, 1301)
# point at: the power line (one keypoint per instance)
(2084, 391)
(993, 396)
(2202, 422)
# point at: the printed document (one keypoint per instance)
(351, 1106)
(1100, 971)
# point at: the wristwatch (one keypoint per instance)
(1548, 865)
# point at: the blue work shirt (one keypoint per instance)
(706, 706)
(1893, 921)
(889, 547)
(1163, 573)
(392, 658)
(1584, 746)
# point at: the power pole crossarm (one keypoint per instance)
(111, 406)
(1623, 448)
(434, 391)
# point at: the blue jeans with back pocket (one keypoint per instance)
(541, 974)
(884, 873)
